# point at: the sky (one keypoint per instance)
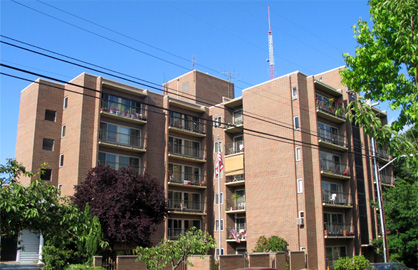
(157, 41)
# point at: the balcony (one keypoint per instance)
(241, 235)
(186, 179)
(335, 199)
(330, 110)
(235, 180)
(116, 165)
(331, 140)
(382, 153)
(386, 179)
(237, 123)
(235, 205)
(185, 153)
(120, 141)
(185, 126)
(174, 234)
(234, 148)
(125, 112)
(186, 206)
(338, 230)
(334, 169)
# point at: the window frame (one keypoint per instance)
(49, 111)
(63, 130)
(221, 196)
(44, 147)
(296, 123)
(65, 103)
(61, 161)
(219, 222)
(299, 185)
(294, 93)
(298, 153)
(43, 174)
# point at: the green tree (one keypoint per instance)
(194, 242)
(354, 263)
(384, 68)
(271, 244)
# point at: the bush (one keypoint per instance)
(354, 263)
(82, 267)
(272, 244)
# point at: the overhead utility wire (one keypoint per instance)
(142, 84)
(288, 140)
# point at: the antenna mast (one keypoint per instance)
(271, 56)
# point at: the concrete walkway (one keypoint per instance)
(18, 266)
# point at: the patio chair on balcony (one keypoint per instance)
(333, 198)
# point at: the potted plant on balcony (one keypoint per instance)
(235, 198)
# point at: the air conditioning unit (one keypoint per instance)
(300, 221)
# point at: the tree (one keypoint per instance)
(129, 206)
(271, 244)
(70, 235)
(194, 242)
(354, 263)
(384, 68)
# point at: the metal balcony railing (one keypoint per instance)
(333, 108)
(185, 178)
(235, 204)
(341, 229)
(185, 205)
(234, 148)
(382, 152)
(118, 138)
(181, 150)
(123, 110)
(235, 178)
(190, 125)
(330, 166)
(330, 137)
(241, 233)
(335, 198)
(116, 165)
(386, 178)
(174, 234)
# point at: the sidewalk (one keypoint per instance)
(18, 266)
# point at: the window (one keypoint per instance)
(219, 198)
(118, 161)
(118, 105)
(217, 121)
(238, 144)
(46, 174)
(237, 117)
(329, 133)
(183, 174)
(217, 228)
(333, 253)
(294, 92)
(217, 146)
(296, 122)
(61, 160)
(63, 131)
(48, 144)
(50, 115)
(299, 182)
(185, 86)
(120, 135)
(298, 154)
(184, 147)
(177, 227)
(182, 201)
(217, 252)
(65, 103)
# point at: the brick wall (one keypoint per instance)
(230, 262)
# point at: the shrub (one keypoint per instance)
(354, 263)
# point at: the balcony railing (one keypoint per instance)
(185, 205)
(333, 167)
(234, 148)
(116, 165)
(241, 234)
(189, 125)
(334, 108)
(174, 234)
(123, 110)
(118, 138)
(185, 178)
(386, 178)
(382, 152)
(235, 204)
(330, 137)
(183, 151)
(335, 198)
(338, 229)
(235, 178)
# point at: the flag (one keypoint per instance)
(234, 234)
(219, 164)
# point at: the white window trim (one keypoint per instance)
(217, 251)
(61, 161)
(217, 121)
(221, 225)
(296, 154)
(294, 123)
(221, 198)
(299, 185)
(63, 130)
(65, 105)
(294, 90)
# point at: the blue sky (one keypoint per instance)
(156, 41)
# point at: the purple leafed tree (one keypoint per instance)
(129, 206)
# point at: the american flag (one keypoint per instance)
(219, 165)
(234, 234)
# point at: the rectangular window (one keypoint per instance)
(65, 103)
(46, 174)
(300, 185)
(217, 228)
(217, 121)
(61, 160)
(217, 146)
(217, 252)
(298, 154)
(296, 122)
(50, 115)
(294, 92)
(63, 131)
(219, 199)
(48, 144)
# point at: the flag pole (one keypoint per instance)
(219, 199)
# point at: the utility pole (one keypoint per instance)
(271, 55)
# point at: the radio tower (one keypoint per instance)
(271, 56)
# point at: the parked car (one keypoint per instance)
(387, 266)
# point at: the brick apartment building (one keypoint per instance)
(310, 184)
